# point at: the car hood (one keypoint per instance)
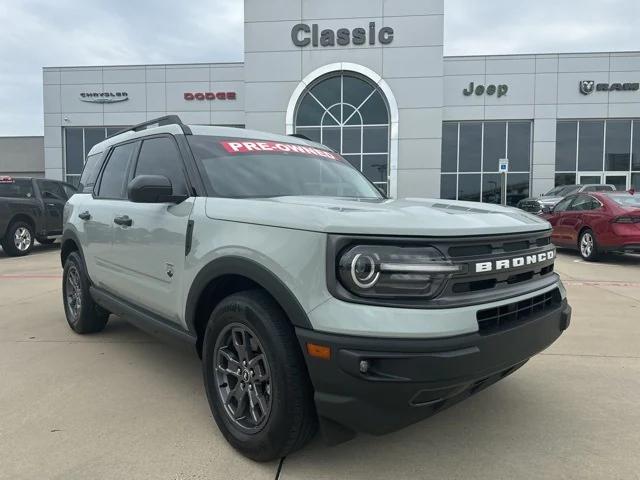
(417, 216)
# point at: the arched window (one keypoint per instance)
(349, 114)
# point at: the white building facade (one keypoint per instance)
(368, 78)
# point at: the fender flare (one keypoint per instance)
(71, 235)
(233, 265)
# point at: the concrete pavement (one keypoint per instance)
(120, 404)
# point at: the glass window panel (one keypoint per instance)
(562, 205)
(375, 139)
(448, 187)
(159, 156)
(355, 91)
(618, 145)
(383, 188)
(92, 136)
(375, 167)
(635, 181)
(565, 179)
(449, 147)
(374, 110)
(517, 187)
(349, 115)
(309, 111)
(74, 155)
(590, 145)
(519, 146)
(470, 147)
(469, 187)
(353, 160)
(491, 188)
(115, 172)
(635, 159)
(566, 133)
(352, 140)
(327, 91)
(90, 173)
(336, 114)
(114, 130)
(311, 133)
(494, 145)
(74, 180)
(590, 179)
(331, 138)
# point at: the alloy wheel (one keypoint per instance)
(22, 239)
(243, 377)
(586, 245)
(73, 290)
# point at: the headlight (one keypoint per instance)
(385, 271)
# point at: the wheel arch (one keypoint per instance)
(22, 217)
(581, 231)
(227, 275)
(69, 244)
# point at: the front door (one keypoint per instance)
(150, 250)
(618, 180)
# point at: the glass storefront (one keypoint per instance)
(598, 151)
(349, 114)
(471, 151)
(78, 141)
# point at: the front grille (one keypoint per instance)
(529, 206)
(499, 318)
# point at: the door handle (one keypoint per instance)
(84, 215)
(123, 220)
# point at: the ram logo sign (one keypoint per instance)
(515, 262)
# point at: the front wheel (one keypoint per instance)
(18, 240)
(255, 377)
(588, 246)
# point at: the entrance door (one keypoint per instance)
(590, 178)
(618, 180)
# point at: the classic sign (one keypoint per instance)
(104, 97)
(514, 262)
(500, 90)
(302, 35)
(589, 86)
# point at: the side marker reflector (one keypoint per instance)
(319, 351)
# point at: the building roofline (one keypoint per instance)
(139, 65)
(549, 54)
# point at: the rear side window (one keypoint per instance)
(584, 202)
(160, 156)
(16, 188)
(90, 173)
(114, 175)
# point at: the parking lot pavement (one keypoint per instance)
(122, 405)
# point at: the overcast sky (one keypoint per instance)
(37, 33)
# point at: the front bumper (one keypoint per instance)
(408, 380)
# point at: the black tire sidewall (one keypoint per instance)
(8, 244)
(91, 318)
(275, 432)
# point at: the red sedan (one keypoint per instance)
(594, 223)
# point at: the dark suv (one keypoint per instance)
(30, 209)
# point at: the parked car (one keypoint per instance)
(311, 298)
(595, 223)
(547, 200)
(30, 209)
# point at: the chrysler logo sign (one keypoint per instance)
(104, 97)
(514, 262)
(589, 86)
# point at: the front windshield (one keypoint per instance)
(242, 168)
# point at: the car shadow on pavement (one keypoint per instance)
(38, 249)
(608, 258)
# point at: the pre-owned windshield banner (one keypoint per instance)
(257, 146)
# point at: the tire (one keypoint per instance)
(83, 314)
(46, 241)
(283, 416)
(587, 245)
(19, 239)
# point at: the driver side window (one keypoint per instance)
(160, 156)
(563, 205)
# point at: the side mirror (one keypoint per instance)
(547, 209)
(151, 189)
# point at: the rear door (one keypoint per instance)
(150, 252)
(98, 213)
(53, 197)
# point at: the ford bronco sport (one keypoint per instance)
(311, 298)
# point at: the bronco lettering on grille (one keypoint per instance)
(515, 262)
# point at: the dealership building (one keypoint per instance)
(368, 78)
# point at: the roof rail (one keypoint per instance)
(160, 121)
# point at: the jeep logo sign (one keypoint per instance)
(302, 35)
(498, 90)
(515, 262)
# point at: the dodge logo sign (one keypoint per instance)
(586, 86)
(209, 96)
(514, 262)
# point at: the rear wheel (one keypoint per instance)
(588, 246)
(18, 240)
(83, 314)
(255, 377)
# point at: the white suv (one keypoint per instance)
(311, 298)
